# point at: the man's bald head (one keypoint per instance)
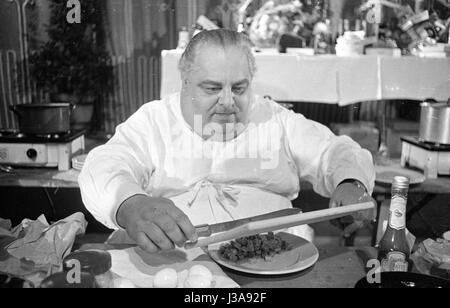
(220, 38)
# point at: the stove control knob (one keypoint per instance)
(32, 153)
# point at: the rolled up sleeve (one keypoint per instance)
(324, 159)
(117, 170)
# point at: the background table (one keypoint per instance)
(335, 80)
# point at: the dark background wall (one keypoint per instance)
(18, 203)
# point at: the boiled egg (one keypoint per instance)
(123, 283)
(200, 270)
(166, 278)
(197, 281)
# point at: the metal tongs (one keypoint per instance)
(281, 222)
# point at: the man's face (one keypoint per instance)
(217, 92)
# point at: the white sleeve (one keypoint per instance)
(325, 159)
(117, 170)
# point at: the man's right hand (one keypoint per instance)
(155, 223)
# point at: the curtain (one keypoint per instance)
(137, 32)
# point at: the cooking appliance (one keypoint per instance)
(48, 150)
(435, 122)
(432, 159)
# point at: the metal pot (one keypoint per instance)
(435, 122)
(43, 119)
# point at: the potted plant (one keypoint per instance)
(74, 64)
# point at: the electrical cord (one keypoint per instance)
(52, 205)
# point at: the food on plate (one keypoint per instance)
(197, 281)
(263, 246)
(166, 278)
(200, 270)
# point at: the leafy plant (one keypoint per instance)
(74, 60)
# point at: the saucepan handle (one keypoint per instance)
(14, 109)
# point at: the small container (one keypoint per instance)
(94, 262)
(183, 38)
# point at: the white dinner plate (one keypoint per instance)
(385, 174)
(303, 255)
(80, 158)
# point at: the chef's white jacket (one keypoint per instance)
(155, 152)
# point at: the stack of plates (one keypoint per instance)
(78, 162)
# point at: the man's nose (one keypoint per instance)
(226, 97)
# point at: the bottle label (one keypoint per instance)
(394, 262)
(397, 218)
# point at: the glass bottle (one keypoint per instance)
(393, 249)
(183, 38)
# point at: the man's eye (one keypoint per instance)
(212, 89)
(239, 90)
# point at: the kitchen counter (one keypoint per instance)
(337, 267)
(40, 177)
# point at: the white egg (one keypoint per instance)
(123, 283)
(200, 270)
(447, 236)
(197, 281)
(166, 278)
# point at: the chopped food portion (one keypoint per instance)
(263, 246)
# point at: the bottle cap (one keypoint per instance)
(400, 182)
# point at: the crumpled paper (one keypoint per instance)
(433, 258)
(35, 246)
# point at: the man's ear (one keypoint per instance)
(184, 79)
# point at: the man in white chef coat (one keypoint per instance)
(216, 152)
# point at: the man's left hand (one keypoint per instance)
(351, 192)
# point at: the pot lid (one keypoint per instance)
(436, 105)
(48, 105)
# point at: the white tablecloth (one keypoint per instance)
(336, 80)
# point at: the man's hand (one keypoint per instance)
(347, 193)
(155, 223)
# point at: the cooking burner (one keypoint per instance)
(51, 150)
(8, 132)
(14, 136)
(430, 146)
(433, 159)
